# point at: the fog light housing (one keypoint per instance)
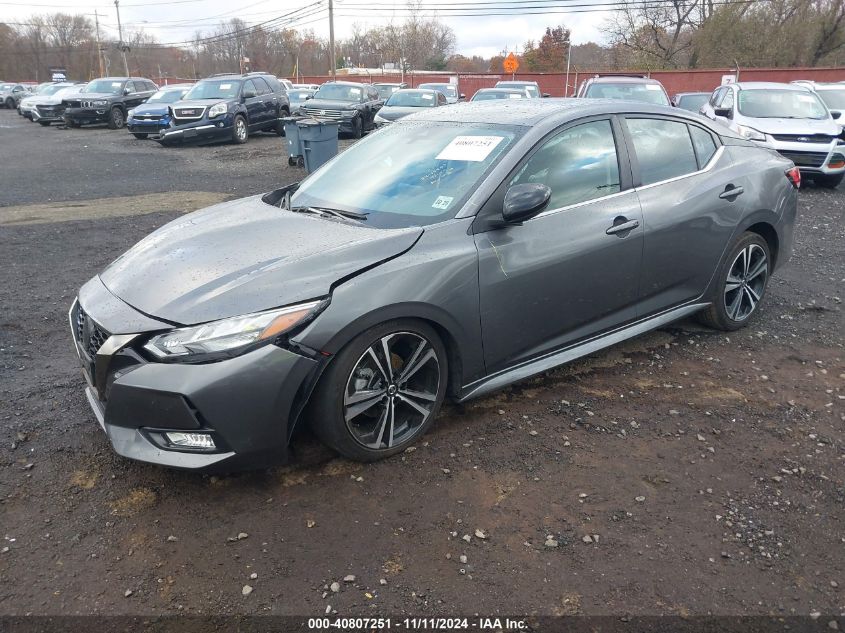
(190, 440)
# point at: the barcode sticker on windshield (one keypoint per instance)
(225, 86)
(652, 87)
(442, 202)
(469, 148)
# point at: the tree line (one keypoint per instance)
(652, 34)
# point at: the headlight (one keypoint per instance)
(131, 113)
(348, 114)
(380, 119)
(230, 334)
(217, 109)
(750, 133)
(100, 103)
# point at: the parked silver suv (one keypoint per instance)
(789, 118)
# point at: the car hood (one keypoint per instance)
(395, 112)
(326, 104)
(245, 256)
(89, 96)
(198, 103)
(153, 109)
(794, 126)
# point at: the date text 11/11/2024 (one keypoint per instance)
(417, 624)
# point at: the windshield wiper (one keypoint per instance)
(337, 213)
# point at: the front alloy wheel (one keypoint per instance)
(116, 118)
(240, 132)
(382, 391)
(744, 276)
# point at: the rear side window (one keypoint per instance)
(261, 86)
(704, 145)
(664, 149)
(274, 84)
(579, 164)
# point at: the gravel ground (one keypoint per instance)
(684, 472)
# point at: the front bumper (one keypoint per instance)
(248, 403)
(812, 158)
(147, 126)
(52, 114)
(84, 116)
(216, 129)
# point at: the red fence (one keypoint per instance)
(553, 83)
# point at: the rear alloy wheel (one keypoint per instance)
(382, 391)
(744, 278)
(240, 131)
(139, 135)
(116, 118)
(829, 181)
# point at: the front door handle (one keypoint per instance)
(731, 192)
(622, 225)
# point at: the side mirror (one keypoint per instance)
(546, 95)
(523, 202)
(463, 96)
(725, 112)
(248, 94)
(836, 114)
(307, 97)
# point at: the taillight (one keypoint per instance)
(794, 176)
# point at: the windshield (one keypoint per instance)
(781, 104)
(833, 99)
(104, 86)
(497, 94)
(643, 93)
(532, 90)
(339, 92)
(50, 89)
(385, 91)
(408, 175)
(214, 89)
(693, 102)
(167, 96)
(447, 89)
(412, 99)
(6, 87)
(296, 96)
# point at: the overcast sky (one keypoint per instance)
(177, 20)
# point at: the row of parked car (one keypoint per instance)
(801, 120)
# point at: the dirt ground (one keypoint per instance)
(685, 472)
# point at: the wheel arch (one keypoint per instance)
(767, 231)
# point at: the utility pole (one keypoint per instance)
(332, 59)
(568, 59)
(99, 47)
(120, 35)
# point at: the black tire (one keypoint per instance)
(140, 135)
(411, 342)
(828, 181)
(741, 287)
(240, 130)
(10, 103)
(357, 127)
(72, 124)
(300, 161)
(116, 118)
(44, 123)
(291, 161)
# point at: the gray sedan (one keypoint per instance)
(446, 255)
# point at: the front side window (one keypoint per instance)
(781, 104)
(728, 100)
(664, 149)
(833, 99)
(579, 164)
(408, 175)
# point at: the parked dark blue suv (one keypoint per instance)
(228, 108)
(153, 116)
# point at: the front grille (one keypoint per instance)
(188, 113)
(50, 111)
(74, 103)
(147, 117)
(806, 159)
(90, 335)
(317, 113)
(804, 138)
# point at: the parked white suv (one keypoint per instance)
(833, 95)
(789, 118)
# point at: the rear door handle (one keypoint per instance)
(731, 192)
(622, 227)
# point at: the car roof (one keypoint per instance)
(390, 83)
(768, 85)
(687, 94)
(549, 112)
(230, 77)
(176, 86)
(357, 84)
(502, 90)
(623, 79)
(510, 82)
(425, 90)
(436, 83)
